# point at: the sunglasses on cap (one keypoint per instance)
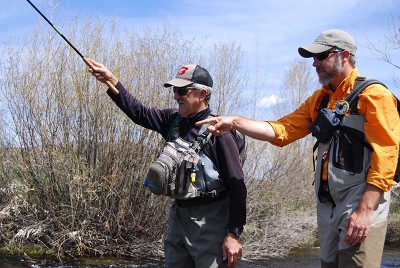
(181, 91)
(324, 55)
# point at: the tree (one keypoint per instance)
(387, 49)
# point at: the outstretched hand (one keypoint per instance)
(256, 129)
(218, 125)
(101, 73)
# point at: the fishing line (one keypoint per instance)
(88, 63)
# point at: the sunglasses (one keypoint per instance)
(324, 55)
(181, 91)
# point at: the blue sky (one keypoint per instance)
(278, 27)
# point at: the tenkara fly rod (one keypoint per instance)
(88, 63)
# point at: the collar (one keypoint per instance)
(203, 114)
(344, 89)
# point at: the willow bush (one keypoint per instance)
(76, 162)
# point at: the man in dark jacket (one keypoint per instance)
(201, 232)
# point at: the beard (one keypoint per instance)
(337, 68)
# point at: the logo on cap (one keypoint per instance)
(183, 70)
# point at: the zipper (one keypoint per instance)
(333, 207)
(204, 175)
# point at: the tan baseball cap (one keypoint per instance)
(189, 74)
(329, 39)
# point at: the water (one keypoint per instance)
(309, 258)
(305, 259)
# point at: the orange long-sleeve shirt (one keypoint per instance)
(382, 128)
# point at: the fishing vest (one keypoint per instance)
(349, 157)
(183, 170)
(208, 182)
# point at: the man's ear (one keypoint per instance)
(203, 94)
(346, 54)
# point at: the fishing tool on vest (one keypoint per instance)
(326, 123)
(193, 174)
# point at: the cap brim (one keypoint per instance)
(177, 82)
(310, 50)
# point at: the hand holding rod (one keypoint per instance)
(88, 63)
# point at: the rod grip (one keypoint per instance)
(108, 83)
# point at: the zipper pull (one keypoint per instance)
(193, 175)
(325, 155)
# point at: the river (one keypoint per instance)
(305, 259)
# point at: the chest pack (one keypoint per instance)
(328, 122)
(186, 170)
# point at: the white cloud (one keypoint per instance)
(270, 101)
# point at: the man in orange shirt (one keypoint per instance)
(352, 179)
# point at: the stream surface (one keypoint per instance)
(308, 258)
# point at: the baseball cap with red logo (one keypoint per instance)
(189, 74)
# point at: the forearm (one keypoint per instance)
(150, 118)
(260, 130)
(237, 208)
(370, 199)
(230, 169)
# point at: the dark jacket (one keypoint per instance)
(224, 147)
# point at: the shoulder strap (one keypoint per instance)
(360, 84)
(203, 137)
(324, 102)
(173, 132)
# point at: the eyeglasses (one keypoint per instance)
(324, 55)
(181, 91)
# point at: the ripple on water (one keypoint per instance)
(304, 259)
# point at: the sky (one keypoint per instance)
(277, 27)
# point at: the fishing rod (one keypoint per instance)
(88, 63)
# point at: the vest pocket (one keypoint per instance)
(349, 150)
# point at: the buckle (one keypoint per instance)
(212, 194)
